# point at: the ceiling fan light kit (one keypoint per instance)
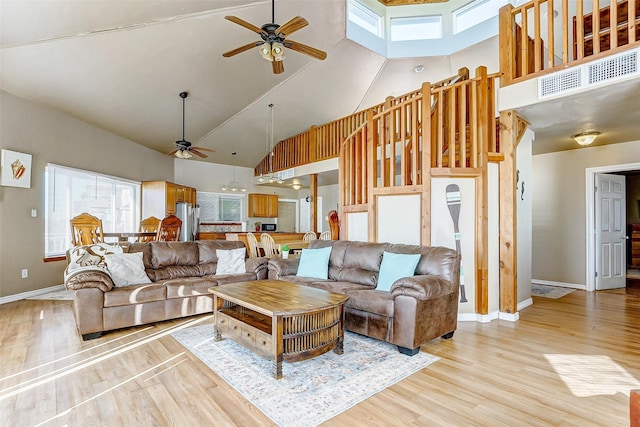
(273, 43)
(184, 149)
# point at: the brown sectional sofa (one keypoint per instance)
(180, 272)
(416, 309)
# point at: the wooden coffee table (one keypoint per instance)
(279, 320)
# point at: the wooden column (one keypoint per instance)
(508, 240)
(482, 194)
(372, 160)
(313, 192)
(425, 169)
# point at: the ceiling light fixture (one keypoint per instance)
(233, 185)
(419, 68)
(296, 186)
(585, 138)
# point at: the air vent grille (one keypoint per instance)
(563, 81)
(613, 67)
(607, 69)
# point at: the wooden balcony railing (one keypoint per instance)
(534, 41)
(323, 142)
(447, 129)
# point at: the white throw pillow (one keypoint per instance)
(231, 261)
(126, 269)
(91, 255)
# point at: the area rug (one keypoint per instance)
(547, 291)
(312, 391)
(60, 294)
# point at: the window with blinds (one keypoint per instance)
(216, 207)
(70, 192)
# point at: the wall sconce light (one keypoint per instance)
(585, 138)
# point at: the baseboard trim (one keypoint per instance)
(29, 294)
(475, 317)
(559, 284)
(510, 317)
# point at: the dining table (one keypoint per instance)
(293, 245)
(124, 236)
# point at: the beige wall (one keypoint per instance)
(53, 137)
(559, 208)
(633, 198)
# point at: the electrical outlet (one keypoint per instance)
(25, 273)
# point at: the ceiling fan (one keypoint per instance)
(183, 147)
(274, 40)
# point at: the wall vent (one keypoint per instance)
(286, 174)
(613, 67)
(604, 70)
(560, 82)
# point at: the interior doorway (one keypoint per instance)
(591, 254)
(288, 220)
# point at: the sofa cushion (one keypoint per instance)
(207, 249)
(232, 278)
(437, 260)
(362, 263)
(173, 272)
(189, 286)
(314, 263)
(135, 294)
(165, 254)
(395, 266)
(371, 301)
(126, 269)
(336, 260)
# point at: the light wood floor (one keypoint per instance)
(567, 362)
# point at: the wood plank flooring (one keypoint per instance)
(567, 362)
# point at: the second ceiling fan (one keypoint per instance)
(274, 40)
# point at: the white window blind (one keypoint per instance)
(70, 192)
(215, 207)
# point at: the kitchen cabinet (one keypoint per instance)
(263, 205)
(635, 245)
(159, 198)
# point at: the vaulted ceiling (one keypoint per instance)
(120, 65)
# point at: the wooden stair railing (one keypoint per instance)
(323, 142)
(395, 147)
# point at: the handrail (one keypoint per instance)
(531, 45)
(323, 142)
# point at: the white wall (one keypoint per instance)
(399, 219)
(559, 208)
(524, 204)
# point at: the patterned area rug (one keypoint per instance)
(312, 391)
(61, 294)
(547, 291)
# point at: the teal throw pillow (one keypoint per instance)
(395, 266)
(314, 263)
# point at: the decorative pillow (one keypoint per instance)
(91, 255)
(126, 269)
(231, 261)
(314, 263)
(395, 266)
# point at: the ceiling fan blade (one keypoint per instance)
(242, 49)
(292, 25)
(245, 24)
(197, 153)
(307, 50)
(278, 67)
(172, 153)
(203, 149)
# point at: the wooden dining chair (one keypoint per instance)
(269, 245)
(86, 229)
(325, 235)
(309, 236)
(169, 229)
(252, 242)
(148, 225)
(334, 225)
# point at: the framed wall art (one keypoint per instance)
(15, 169)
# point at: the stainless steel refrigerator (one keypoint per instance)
(190, 217)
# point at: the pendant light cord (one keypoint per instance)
(273, 11)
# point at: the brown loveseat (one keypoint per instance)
(180, 274)
(416, 309)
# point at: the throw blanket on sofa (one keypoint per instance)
(87, 265)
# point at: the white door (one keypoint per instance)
(610, 233)
(305, 215)
(287, 215)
